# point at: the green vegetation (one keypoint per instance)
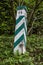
(8, 10)
(33, 56)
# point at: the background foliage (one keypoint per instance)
(33, 56)
(8, 13)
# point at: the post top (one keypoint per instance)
(22, 7)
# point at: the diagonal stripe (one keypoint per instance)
(19, 24)
(19, 19)
(19, 29)
(23, 38)
(19, 35)
(19, 40)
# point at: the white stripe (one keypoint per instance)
(22, 31)
(17, 17)
(19, 35)
(19, 24)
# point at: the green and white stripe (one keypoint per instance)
(20, 32)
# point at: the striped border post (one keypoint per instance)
(20, 30)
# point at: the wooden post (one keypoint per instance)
(20, 30)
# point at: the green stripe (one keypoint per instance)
(19, 29)
(19, 19)
(18, 41)
(22, 7)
